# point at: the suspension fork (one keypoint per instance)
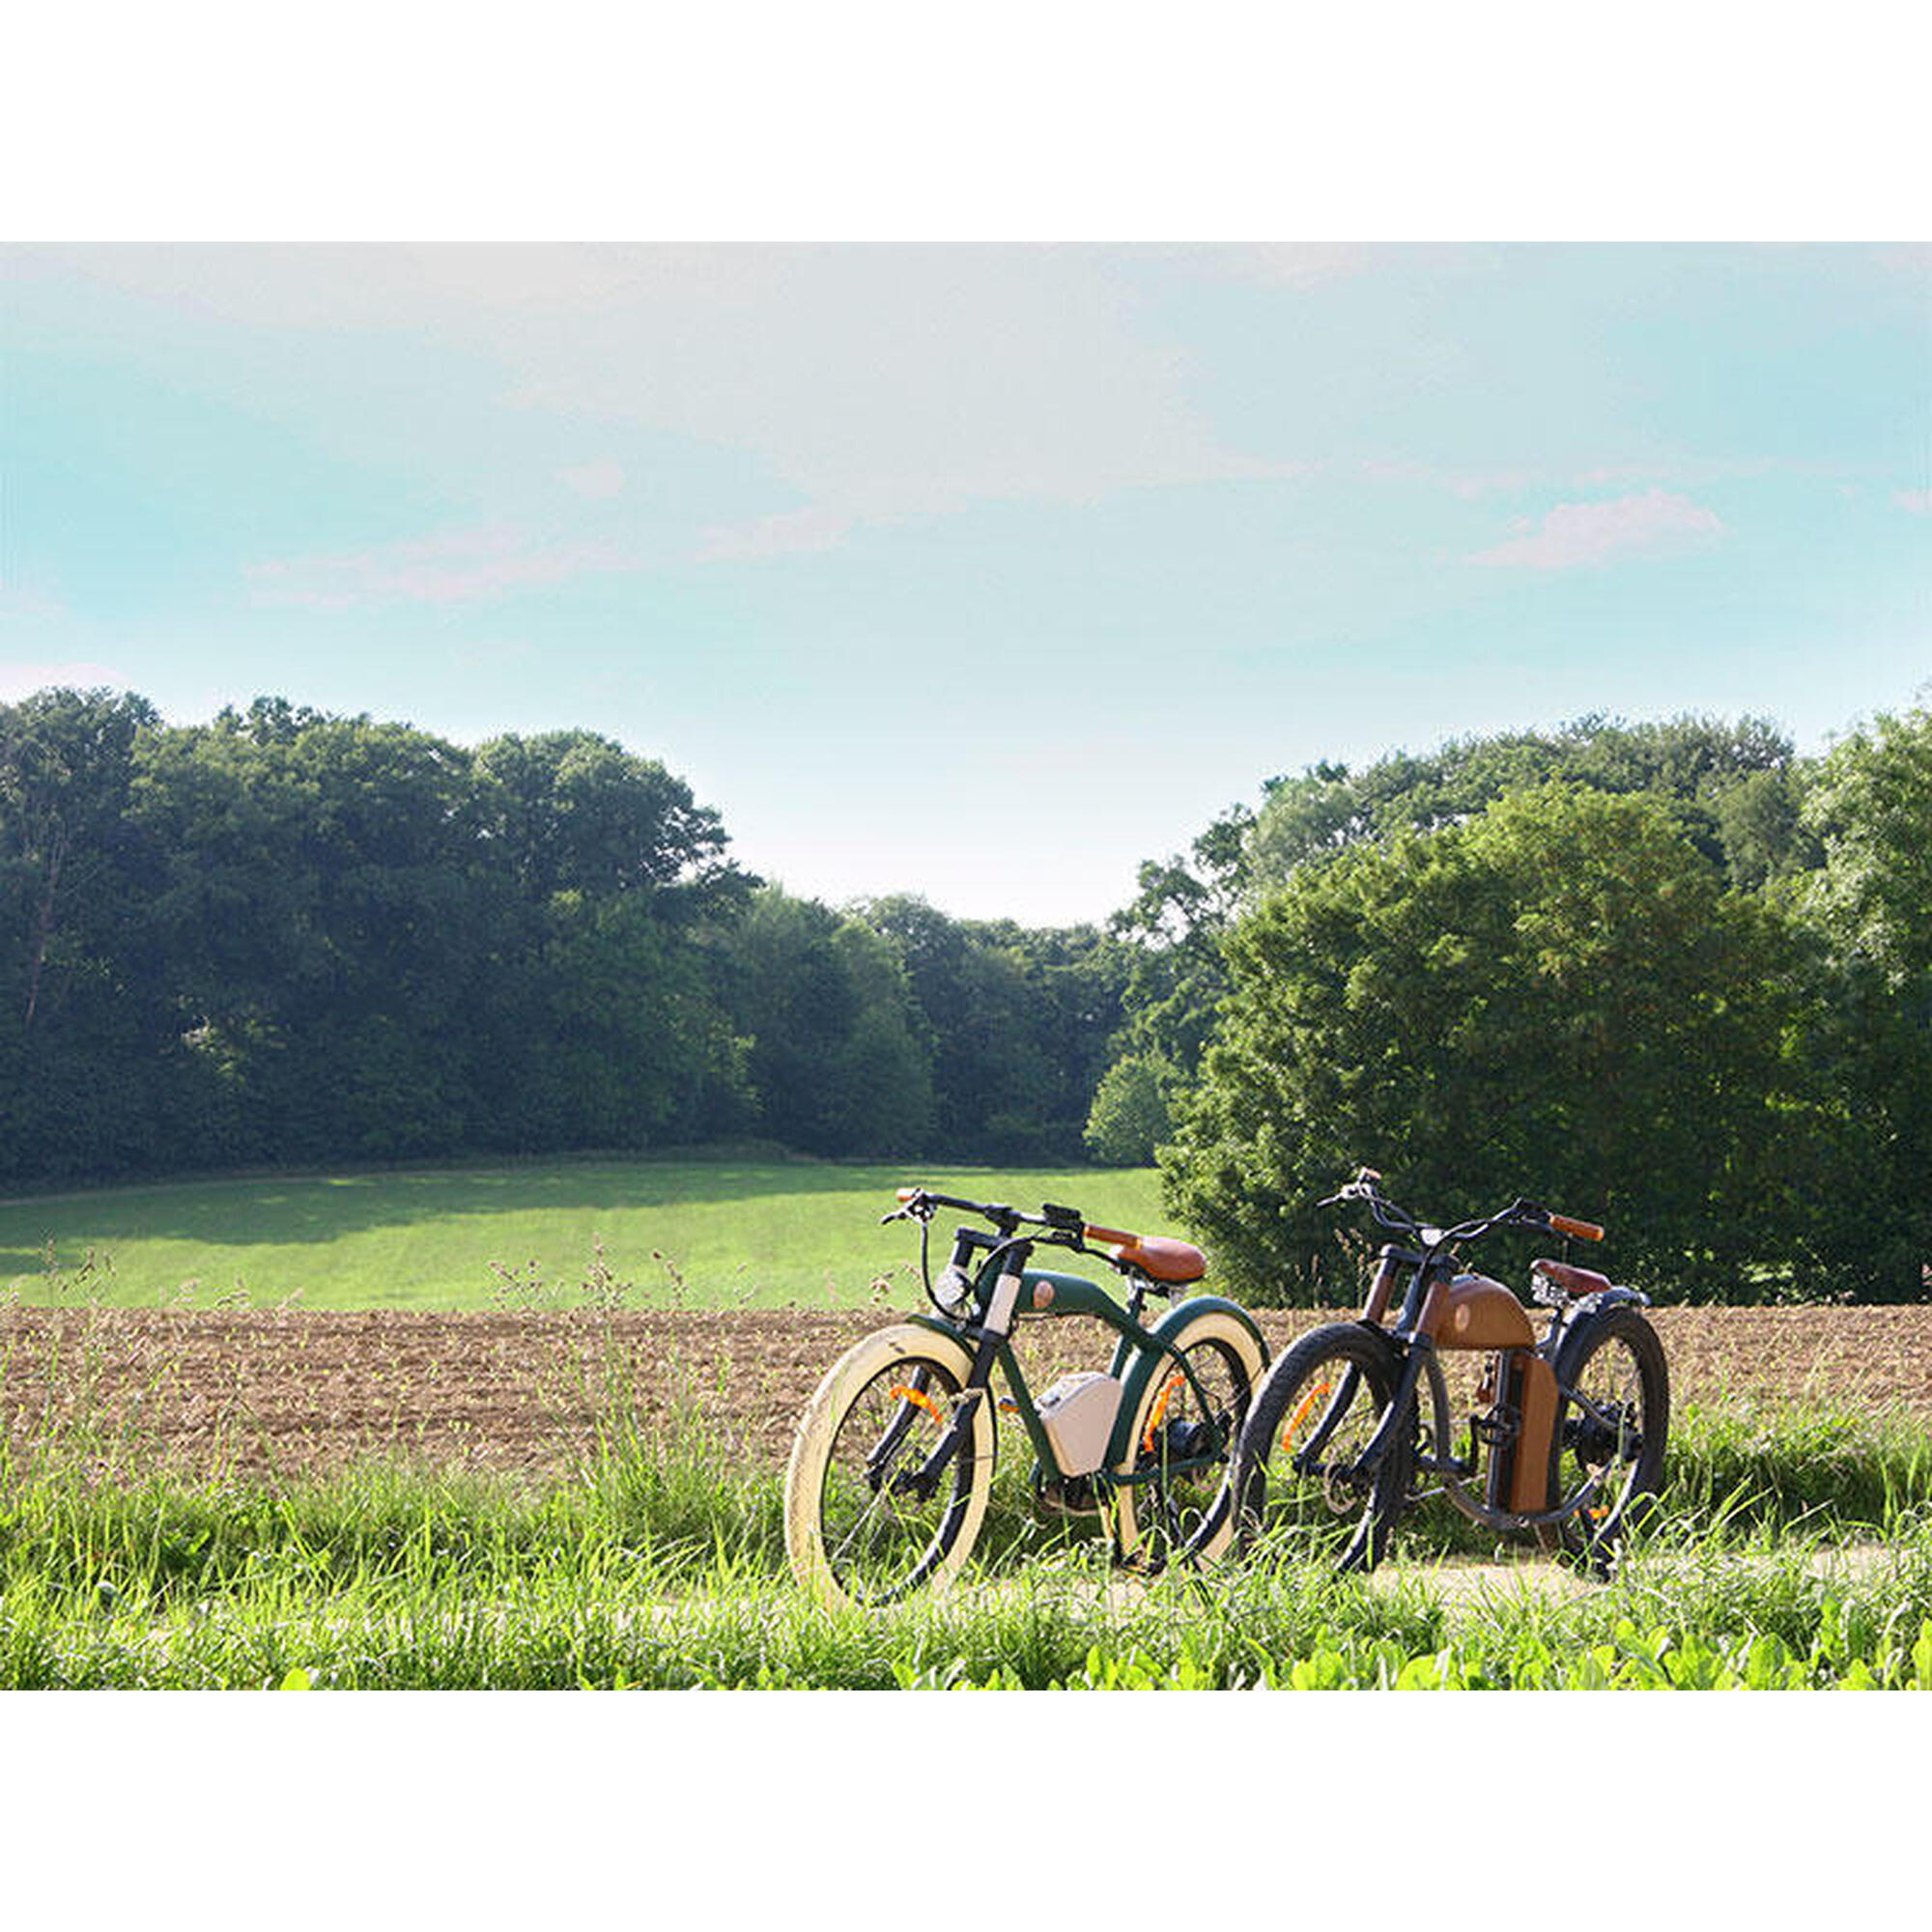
(921, 1482)
(1338, 1406)
(1398, 1410)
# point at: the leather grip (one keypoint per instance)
(1584, 1231)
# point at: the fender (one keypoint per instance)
(947, 1329)
(1170, 1330)
(1604, 1297)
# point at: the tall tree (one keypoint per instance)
(1018, 1022)
(836, 1054)
(1697, 763)
(1558, 997)
(88, 1050)
(1870, 810)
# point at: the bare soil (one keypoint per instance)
(257, 1393)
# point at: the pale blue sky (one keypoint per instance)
(982, 572)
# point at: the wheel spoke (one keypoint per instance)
(881, 1537)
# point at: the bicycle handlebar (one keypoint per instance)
(1064, 1228)
(1520, 1214)
(920, 1204)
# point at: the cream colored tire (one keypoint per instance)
(849, 1540)
(1229, 1361)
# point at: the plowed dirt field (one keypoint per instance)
(264, 1393)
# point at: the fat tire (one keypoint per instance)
(1597, 1542)
(1244, 1497)
(818, 1428)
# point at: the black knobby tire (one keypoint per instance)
(1614, 1359)
(1316, 1512)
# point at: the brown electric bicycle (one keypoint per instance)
(1565, 1435)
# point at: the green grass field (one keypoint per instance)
(749, 1234)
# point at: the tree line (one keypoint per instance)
(284, 937)
(1669, 976)
(1666, 977)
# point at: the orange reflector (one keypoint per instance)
(920, 1399)
(1301, 1410)
(1160, 1403)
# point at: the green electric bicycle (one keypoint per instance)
(893, 1459)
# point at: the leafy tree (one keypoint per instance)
(1697, 763)
(323, 910)
(571, 811)
(88, 1055)
(1870, 810)
(1557, 997)
(836, 1057)
(621, 1041)
(1172, 930)
(1017, 1022)
(1130, 1117)
(382, 945)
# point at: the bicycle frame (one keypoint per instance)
(1004, 1290)
(1448, 1310)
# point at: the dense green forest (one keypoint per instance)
(1669, 975)
(284, 937)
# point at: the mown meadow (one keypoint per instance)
(749, 1233)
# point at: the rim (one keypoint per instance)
(1172, 1507)
(881, 1539)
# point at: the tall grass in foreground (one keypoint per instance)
(655, 1565)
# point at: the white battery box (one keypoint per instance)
(1078, 1413)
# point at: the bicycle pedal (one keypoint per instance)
(1076, 1497)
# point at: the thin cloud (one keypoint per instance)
(21, 680)
(1574, 536)
(596, 481)
(453, 567)
(1467, 484)
(791, 533)
(1918, 501)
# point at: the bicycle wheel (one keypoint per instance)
(1180, 1447)
(1612, 1415)
(1291, 1483)
(866, 1521)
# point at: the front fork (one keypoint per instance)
(924, 1480)
(1394, 1418)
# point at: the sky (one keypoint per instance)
(983, 572)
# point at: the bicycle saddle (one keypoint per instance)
(1155, 1255)
(1573, 1281)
